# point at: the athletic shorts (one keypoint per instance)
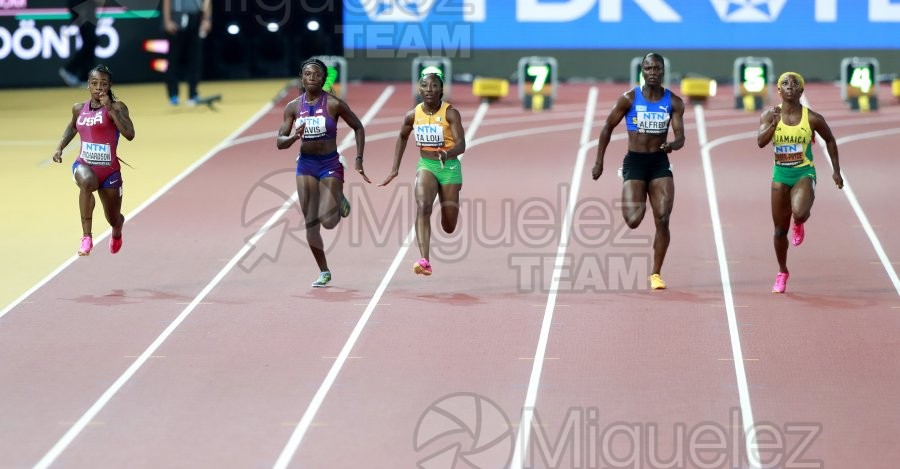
(451, 173)
(646, 166)
(791, 176)
(321, 166)
(109, 177)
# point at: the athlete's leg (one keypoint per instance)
(426, 191)
(330, 193)
(449, 198)
(802, 197)
(634, 202)
(662, 198)
(781, 218)
(111, 200)
(87, 183)
(308, 196)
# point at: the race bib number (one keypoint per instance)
(96, 153)
(652, 122)
(789, 155)
(429, 135)
(315, 126)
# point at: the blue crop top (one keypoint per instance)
(647, 117)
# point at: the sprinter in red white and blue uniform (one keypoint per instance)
(98, 122)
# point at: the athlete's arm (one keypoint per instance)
(405, 130)
(619, 111)
(118, 112)
(818, 124)
(459, 135)
(677, 126)
(287, 134)
(768, 122)
(344, 111)
(68, 134)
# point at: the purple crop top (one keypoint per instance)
(319, 124)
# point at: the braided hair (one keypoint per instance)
(104, 69)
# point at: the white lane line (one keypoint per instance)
(857, 208)
(524, 432)
(728, 295)
(227, 142)
(110, 392)
(293, 443)
(737, 354)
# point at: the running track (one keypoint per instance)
(190, 349)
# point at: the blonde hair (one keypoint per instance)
(793, 74)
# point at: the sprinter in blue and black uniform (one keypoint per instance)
(650, 111)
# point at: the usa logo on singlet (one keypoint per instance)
(90, 121)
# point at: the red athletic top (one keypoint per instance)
(99, 137)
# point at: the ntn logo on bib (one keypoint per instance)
(650, 122)
(315, 126)
(429, 135)
(96, 153)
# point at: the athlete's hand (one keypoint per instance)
(666, 147)
(597, 171)
(776, 115)
(104, 99)
(442, 155)
(388, 179)
(361, 171)
(57, 157)
(838, 179)
(297, 132)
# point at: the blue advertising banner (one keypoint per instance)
(451, 27)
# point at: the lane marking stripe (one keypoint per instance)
(524, 431)
(293, 443)
(728, 295)
(73, 432)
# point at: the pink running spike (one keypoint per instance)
(798, 235)
(780, 282)
(422, 267)
(115, 244)
(87, 243)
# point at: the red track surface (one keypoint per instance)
(229, 385)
